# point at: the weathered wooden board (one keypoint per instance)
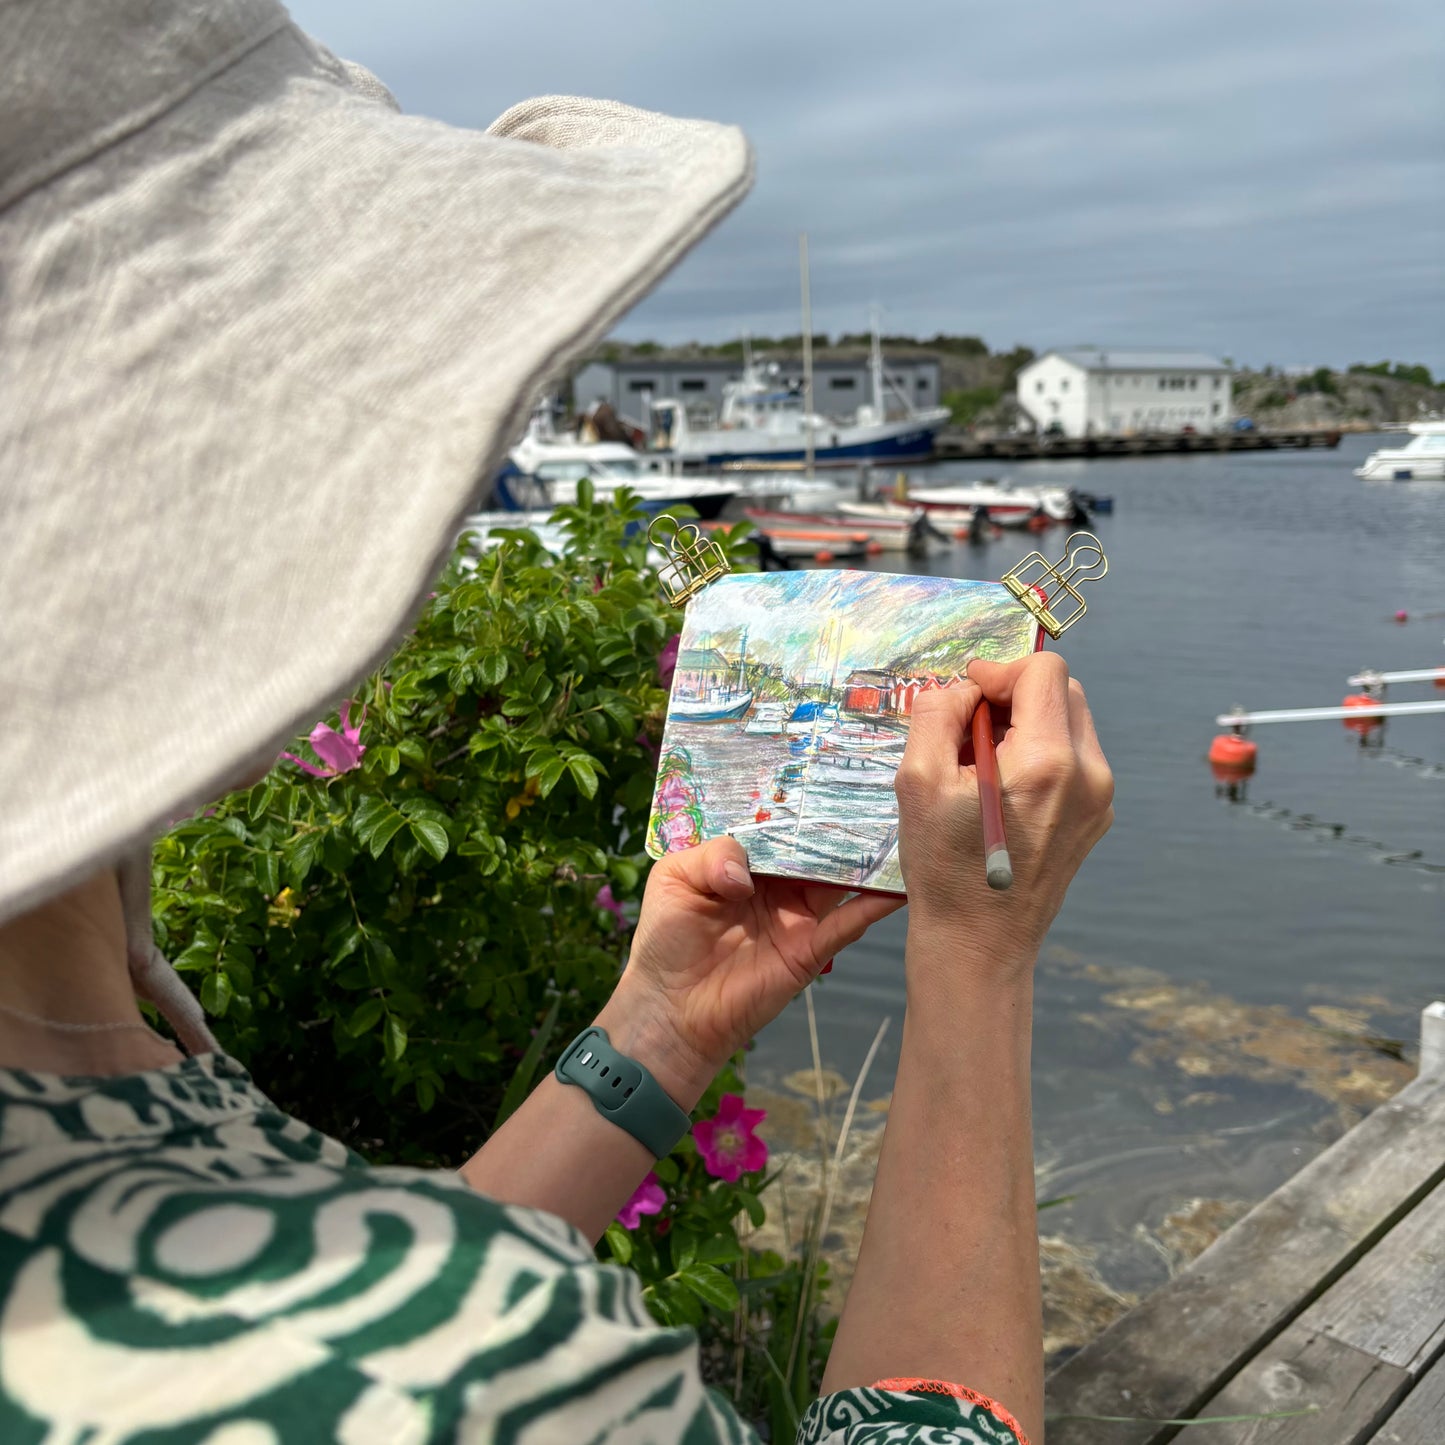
(1421, 1419)
(1348, 1392)
(1392, 1303)
(1182, 1344)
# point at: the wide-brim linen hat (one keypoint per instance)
(263, 341)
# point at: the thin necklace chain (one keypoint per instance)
(65, 1028)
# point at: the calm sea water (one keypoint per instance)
(1176, 1054)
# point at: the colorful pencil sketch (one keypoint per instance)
(790, 709)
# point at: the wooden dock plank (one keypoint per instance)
(1392, 1304)
(1421, 1419)
(1181, 1345)
(1355, 1351)
(1351, 1393)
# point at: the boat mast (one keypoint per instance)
(875, 366)
(807, 354)
(742, 661)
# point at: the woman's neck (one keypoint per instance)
(65, 963)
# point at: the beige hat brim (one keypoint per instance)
(257, 358)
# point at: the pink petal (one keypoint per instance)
(340, 753)
(648, 1198)
(308, 767)
(751, 1118)
(754, 1155)
(730, 1110)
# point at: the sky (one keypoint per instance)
(1264, 181)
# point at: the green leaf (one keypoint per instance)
(757, 1214)
(666, 1171)
(711, 1286)
(584, 777)
(389, 759)
(366, 1017)
(619, 1241)
(268, 874)
(376, 823)
(720, 1249)
(520, 1084)
(492, 668)
(216, 994)
(684, 1248)
(299, 854)
(394, 1039)
(432, 836)
(550, 774)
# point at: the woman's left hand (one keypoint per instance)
(717, 954)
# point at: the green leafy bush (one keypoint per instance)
(397, 948)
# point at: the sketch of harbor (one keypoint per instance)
(790, 710)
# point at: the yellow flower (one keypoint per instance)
(283, 910)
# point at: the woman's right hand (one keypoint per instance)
(1057, 803)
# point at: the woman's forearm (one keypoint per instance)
(559, 1154)
(947, 1282)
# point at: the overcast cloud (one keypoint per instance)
(1261, 180)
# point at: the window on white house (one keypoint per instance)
(1216, 383)
(842, 383)
(1063, 383)
(642, 386)
(692, 383)
(1039, 387)
(1193, 383)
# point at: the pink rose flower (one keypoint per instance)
(604, 899)
(667, 660)
(340, 751)
(727, 1142)
(647, 1198)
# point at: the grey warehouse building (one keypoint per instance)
(840, 380)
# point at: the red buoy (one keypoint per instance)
(1231, 756)
(1366, 722)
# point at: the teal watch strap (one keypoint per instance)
(623, 1091)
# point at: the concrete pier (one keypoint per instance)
(961, 446)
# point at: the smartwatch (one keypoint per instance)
(623, 1091)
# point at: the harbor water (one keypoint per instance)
(1237, 974)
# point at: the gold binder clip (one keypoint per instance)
(1039, 584)
(692, 560)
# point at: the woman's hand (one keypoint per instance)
(717, 954)
(1057, 803)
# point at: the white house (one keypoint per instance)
(1088, 391)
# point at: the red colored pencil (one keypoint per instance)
(997, 867)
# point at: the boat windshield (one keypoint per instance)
(1432, 442)
(614, 469)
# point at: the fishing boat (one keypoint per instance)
(894, 529)
(1421, 459)
(766, 418)
(707, 688)
(860, 738)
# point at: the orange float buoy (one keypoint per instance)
(822, 555)
(1365, 723)
(1231, 756)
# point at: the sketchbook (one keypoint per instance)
(790, 710)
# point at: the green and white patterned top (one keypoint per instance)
(181, 1262)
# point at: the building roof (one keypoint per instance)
(1103, 358)
(700, 659)
(833, 357)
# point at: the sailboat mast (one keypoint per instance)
(875, 366)
(807, 353)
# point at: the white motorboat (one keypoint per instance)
(766, 419)
(1421, 459)
(1006, 504)
(544, 470)
(768, 719)
(893, 529)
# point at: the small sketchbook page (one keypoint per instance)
(790, 709)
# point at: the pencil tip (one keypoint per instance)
(998, 870)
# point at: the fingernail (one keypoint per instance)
(826, 968)
(738, 874)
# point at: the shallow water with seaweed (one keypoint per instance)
(1237, 975)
